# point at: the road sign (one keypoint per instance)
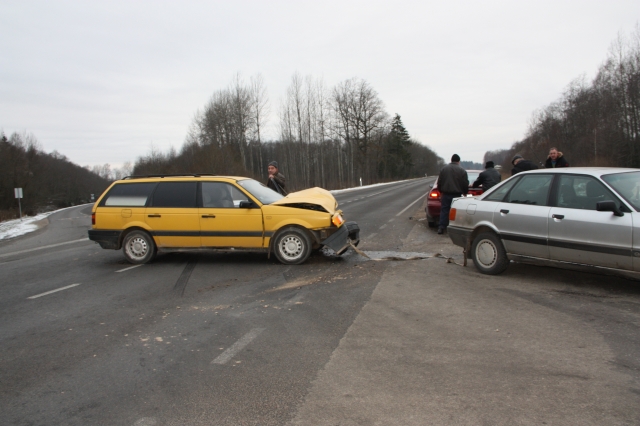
(18, 192)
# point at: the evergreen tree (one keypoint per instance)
(398, 159)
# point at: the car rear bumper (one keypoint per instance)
(106, 239)
(340, 240)
(459, 236)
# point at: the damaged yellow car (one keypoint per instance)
(144, 215)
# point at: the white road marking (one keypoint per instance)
(146, 421)
(407, 208)
(225, 356)
(43, 247)
(390, 220)
(372, 235)
(53, 291)
(130, 267)
(383, 226)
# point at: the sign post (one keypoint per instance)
(18, 193)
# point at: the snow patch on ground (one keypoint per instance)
(16, 227)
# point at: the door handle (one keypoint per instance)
(504, 211)
(557, 216)
(206, 216)
(153, 215)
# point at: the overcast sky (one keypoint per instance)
(103, 82)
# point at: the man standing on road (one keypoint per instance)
(488, 178)
(452, 182)
(555, 159)
(521, 165)
(276, 179)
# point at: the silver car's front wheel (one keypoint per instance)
(292, 246)
(489, 254)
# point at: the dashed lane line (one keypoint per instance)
(43, 247)
(130, 267)
(53, 291)
(407, 208)
(233, 350)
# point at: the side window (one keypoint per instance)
(221, 195)
(530, 189)
(175, 194)
(128, 195)
(498, 194)
(582, 192)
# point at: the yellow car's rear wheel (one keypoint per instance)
(138, 247)
(292, 246)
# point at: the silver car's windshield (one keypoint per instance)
(627, 185)
(260, 191)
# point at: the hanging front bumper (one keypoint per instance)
(341, 240)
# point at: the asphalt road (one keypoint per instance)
(236, 338)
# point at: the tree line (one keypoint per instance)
(593, 123)
(327, 137)
(48, 181)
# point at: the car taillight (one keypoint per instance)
(452, 214)
(93, 218)
(434, 195)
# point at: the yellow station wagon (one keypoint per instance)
(142, 215)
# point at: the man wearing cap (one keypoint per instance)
(488, 178)
(452, 182)
(276, 179)
(521, 165)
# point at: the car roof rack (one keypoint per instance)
(164, 176)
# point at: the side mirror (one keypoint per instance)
(247, 205)
(609, 206)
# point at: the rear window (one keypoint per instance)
(175, 194)
(128, 195)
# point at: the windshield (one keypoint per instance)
(627, 185)
(472, 177)
(261, 192)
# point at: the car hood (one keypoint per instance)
(316, 195)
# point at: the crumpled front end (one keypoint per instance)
(341, 240)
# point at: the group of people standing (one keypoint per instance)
(453, 180)
(555, 159)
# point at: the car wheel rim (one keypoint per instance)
(137, 248)
(486, 253)
(291, 247)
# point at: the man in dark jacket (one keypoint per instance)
(555, 159)
(521, 165)
(452, 182)
(276, 179)
(490, 177)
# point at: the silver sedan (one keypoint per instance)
(572, 218)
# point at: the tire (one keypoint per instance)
(138, 247)
(292, 246)
(488, 254)
(433, 222)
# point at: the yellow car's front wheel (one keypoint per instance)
(292, 246)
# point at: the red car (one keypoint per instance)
(433, 199)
